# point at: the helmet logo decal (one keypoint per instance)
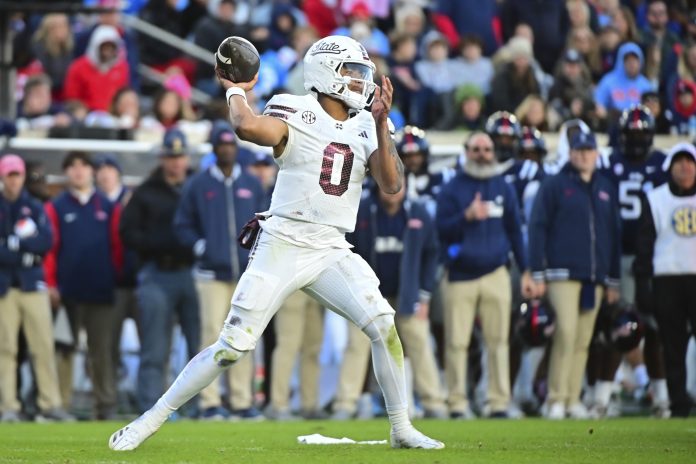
(327, 47)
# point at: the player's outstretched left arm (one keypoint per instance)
(385, 164)
(261, 130)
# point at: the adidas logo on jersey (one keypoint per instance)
(363, 134)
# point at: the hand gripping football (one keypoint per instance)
(237, 60)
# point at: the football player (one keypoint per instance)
(414, 150)
(635, 167)
(324, 142)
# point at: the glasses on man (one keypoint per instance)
(480, 149)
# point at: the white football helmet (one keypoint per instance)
(336, 66)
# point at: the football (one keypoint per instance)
(237, 59)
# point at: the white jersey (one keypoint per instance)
(319, 184)
(675, 224)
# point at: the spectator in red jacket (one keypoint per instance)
(97, 75)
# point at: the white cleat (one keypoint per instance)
(131, 436)
(412, 438)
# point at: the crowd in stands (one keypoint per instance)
(506, 71)
(452, 62)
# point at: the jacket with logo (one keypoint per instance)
(575, 229)
(476, 248)
(419, 258)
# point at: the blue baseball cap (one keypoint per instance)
(174, 143)
(583, 141)
(107, 159)
(262, 158)
(222, 134)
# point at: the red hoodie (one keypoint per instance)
(684, 85)
(93, 84)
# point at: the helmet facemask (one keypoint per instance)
(354, 83)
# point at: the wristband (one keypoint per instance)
(234, 91)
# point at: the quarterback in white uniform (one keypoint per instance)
(324, 143)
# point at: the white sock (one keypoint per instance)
(389, 371)
(660, 393)
(603, 393)
(640, 374)
(158, 414)
(198, 374)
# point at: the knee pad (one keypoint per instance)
(237, 338)
(225, 355)
(382, 326)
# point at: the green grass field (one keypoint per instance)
(482, 441)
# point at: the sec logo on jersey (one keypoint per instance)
(308, 117)
(684, 221)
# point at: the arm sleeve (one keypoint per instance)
(513, 228)
(51, 258)
(538, 229)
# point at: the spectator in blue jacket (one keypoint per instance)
(622, 87)
(575, 246)
(399, 240)
(214, 206)
(25, 237)
(81, 271)
(479, 223)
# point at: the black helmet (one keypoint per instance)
(537, 322)
(532, 142)
(637, 131)
(505, 131)
(412, 139)
(624, 328)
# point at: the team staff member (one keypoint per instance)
(666, 251)
(108, 179)
(25, 237)
(575, 246)
(81, 272)
(215, 205)
(479, 223)
(165, 285)
(399, 241)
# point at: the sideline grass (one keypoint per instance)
(482, 441)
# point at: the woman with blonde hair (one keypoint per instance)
(53, 45)
(624, 21)
(585, 42)
(533, 112)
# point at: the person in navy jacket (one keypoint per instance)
(25, 237)
(214, 206)
(479, 223)
(81, 272)
(398, 239)
(575, 246)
